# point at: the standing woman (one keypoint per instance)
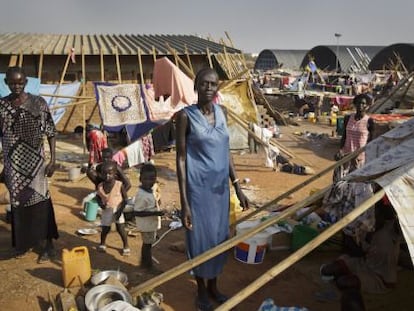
(358, 132)
(25, 121)
(204, 166)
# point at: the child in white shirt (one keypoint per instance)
(147, 213)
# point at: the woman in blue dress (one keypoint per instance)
(204, 166)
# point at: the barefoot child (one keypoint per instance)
(147, 213)
(112, 196)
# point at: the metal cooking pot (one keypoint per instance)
(101, 295)
(101, 276)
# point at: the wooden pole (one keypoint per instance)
(67, 96)
(210, 63)
(181, 62)
(232, 81)
(154, 54)
(228, 37)
(189, 59)
(39, 73)
(118, 65)
(141, 73)
(83, 106)
(191, 263)
(62, 77)
(300, 186)
(102, 65)
(73, 104)
(74, 107)
(21, 59)
(296, 256)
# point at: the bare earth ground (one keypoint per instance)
(25, 285)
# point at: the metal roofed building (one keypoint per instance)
(390, 56)
(272, 59)
(350, 58)
(49, 51)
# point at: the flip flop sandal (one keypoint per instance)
(219, 298)
(203, 305)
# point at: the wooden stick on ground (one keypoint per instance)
(296, 256)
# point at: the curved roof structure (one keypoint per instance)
(274, 59)
(95, 44)
(389, 57)
(350, 58)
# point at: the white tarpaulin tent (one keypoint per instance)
(390, 163)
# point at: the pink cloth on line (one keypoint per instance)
(168, 79)
(119, 157)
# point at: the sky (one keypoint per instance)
(252, 25)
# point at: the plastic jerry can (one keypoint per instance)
(76, 266)
(234, 208)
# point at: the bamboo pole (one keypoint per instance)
(102, 65)
(232, 81)
(73, 104)
(141, 73)
(39, 73)
(181, 62)
(191, 263)
(72, 111)
(13, 60)
(83, 106)
(154, 54)
(228, 37)
(189, 59)
(210, 63)
(67, 96)
(21, 59)
(303, 184)
(296, 256)
(118, 65)
(62, 77)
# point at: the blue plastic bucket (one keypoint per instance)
(91, 209)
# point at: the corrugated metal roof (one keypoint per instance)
(281, 58)
(94, 44)
(351, 58)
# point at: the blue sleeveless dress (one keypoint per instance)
(207, 187)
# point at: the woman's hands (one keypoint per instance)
(244, 202)
(50, 169)
(186, 217)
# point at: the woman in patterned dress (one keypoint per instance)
(204, 166)
(25, 121)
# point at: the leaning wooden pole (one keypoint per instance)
(102, 66)
(141, 73)
(194, 262)
(83, 94)
(296, 256)
(190, 65)
(39, 72)
(118, 65)
(210, 63)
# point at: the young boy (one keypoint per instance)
(112, 196)
(95, 175)
(147, 213)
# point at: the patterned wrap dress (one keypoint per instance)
(207, 162)
(23, 131)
